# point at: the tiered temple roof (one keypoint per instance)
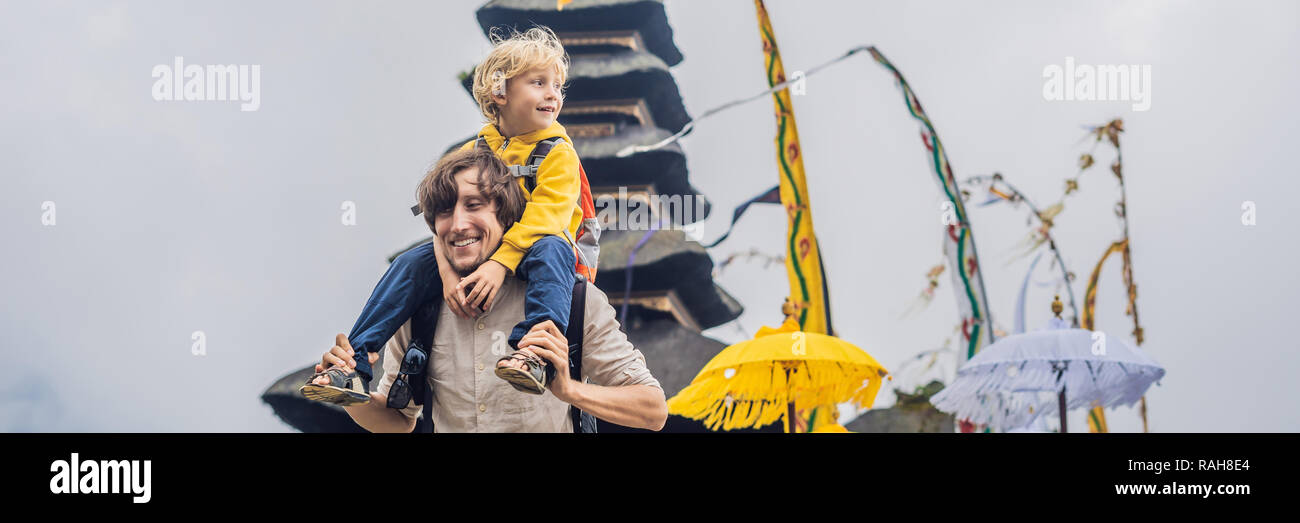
(618, 23)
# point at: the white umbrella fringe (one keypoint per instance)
(1002, 392)
(1012, 396)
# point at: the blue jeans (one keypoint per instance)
(413, 280)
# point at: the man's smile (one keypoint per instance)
(464, 242)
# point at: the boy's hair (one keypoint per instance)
(536, 47)
(438, 190)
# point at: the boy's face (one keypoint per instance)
(532, 101)
(470, 232)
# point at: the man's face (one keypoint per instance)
(532, 100)
(469, 232)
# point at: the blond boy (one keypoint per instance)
(519, 89)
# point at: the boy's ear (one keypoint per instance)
(499, 95)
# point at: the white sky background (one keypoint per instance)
(175, 217)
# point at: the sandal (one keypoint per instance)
(346, 388)
(532, 381)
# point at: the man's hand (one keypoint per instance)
(486, 281)
(640, 406)
(340, 355)
(546, 341)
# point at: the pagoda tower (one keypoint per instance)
(620, 93)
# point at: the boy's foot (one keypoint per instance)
(337, 385)
(525, 373)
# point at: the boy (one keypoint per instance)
(519, 89)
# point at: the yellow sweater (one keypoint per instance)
(552, 208)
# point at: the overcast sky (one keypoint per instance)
(175, 217)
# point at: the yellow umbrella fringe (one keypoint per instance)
(760, 392)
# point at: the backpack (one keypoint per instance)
(422, 328)
(587, 243)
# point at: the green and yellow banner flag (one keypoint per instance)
(959, 239)
(803, 262)
(1097, 420)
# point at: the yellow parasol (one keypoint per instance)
(753, 383)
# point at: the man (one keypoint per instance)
(468, 195)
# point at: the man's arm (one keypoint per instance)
(377, 417)
(634, 405)
(639, 406)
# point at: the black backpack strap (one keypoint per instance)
(423, 324)
(422, 327)
(528, 170)
(582, 421)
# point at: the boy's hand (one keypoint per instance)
(453, 296)
(486, 281)
(451, 293)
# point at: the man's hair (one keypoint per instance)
(438, 190)
(511, 56)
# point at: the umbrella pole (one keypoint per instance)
(789, 412)
(1144, 414)
(1061, 407)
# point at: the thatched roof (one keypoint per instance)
(666, 261)
(911, 413)
(675, 354)
(665, 168)
(644, 16)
